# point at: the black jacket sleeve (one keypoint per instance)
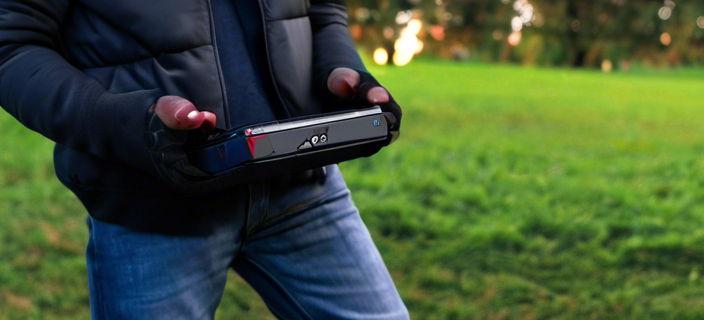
(48, 95)
(332, 48)
(332, 44)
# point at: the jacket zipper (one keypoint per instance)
(268, 60)
(226, 105)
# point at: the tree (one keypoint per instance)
(552, 32)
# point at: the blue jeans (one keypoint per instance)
(301, 245)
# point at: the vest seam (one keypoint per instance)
(221, 80)
(305, 15)
(143, 59)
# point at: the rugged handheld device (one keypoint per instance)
(193, 161)
(295, 144)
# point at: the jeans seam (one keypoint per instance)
(98, 284)
(262, 206)
(322, 200)
(248, 214)
(280, 285)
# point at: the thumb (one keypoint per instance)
(180, 114)
(343, 82)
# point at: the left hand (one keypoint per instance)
(349, 84)
(344, 83)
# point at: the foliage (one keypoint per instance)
(558, 33)
(513, 193)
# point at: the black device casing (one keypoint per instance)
(171, 149)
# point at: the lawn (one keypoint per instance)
(513, 193)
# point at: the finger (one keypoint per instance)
(378, 95)
(178, 113)
(343, 82)
(209, 120)
(194, 119)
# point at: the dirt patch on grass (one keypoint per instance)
(53, 237)
(23, 304)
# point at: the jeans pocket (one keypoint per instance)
(287, 200)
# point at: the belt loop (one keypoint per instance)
(320, 175)
(258, 206)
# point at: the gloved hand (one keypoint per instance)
(362, 89)
(170, 124)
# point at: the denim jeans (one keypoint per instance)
(300, 244)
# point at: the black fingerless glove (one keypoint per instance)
(359, 100)
(366, 83)
(166, 147)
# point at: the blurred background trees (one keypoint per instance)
(606, 34)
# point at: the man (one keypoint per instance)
(88, 74)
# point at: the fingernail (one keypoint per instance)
(377, 94)
(192, 115)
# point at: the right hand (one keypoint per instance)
(344, 82)
(180, 114)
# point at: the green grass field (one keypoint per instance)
(513, 193)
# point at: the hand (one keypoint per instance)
(180, 114)
(344, 83)
(170, 126)
(364, 89)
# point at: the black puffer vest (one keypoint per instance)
(84, 73)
